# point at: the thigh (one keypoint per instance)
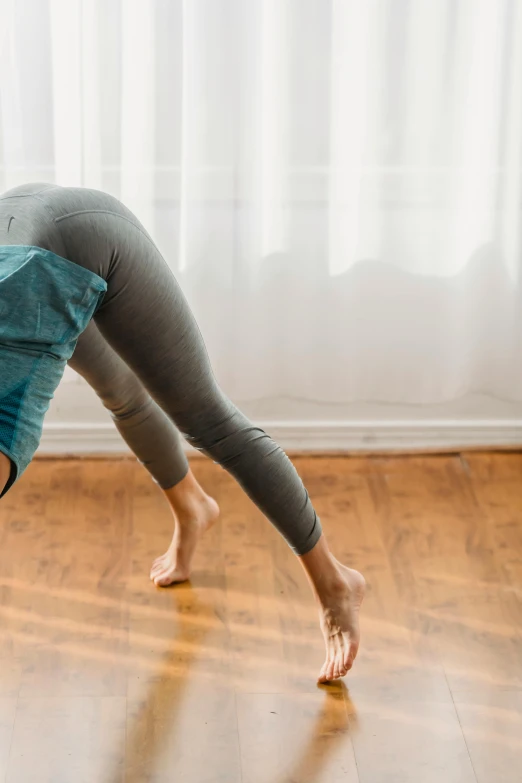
(105, 371)
(144, 315)
(147, 321)
(94, 359)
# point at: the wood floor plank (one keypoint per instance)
(65, 738)
(444, 555)
(7, 720)
(491, 719)
(400, 702)
(449, 577)
(253, 602)
(65, 608)
(301, 737)
(491, 716)
(497, 489)
(181, 713)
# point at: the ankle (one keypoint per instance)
(186, 498)
(333, 585)
(190, 510)
(324, 571)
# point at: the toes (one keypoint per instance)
(163, 580)
(158, 565)
(330, 670)
(336, 665)
(166, 578)
(349, 656)
(337, 655)
(341, 671)
(343, 660)
(323, 675)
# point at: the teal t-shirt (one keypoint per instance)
(45, 304)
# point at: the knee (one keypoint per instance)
(225, 437)
(126, 408)
(125, 401)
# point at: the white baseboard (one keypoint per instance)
(318, 436)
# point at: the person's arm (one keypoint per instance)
(5, 470)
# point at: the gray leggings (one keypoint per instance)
(145, 357)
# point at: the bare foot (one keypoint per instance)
(174, 565)
(339, 620)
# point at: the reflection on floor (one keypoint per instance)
(106, 679)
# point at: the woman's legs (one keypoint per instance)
(153, 438)
(145, 318)
(146, 429)
(147, 321)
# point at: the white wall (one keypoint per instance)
(77, 423)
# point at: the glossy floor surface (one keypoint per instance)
(106, 679)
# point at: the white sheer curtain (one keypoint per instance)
(336, 183)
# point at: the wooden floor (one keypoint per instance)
(106, 679)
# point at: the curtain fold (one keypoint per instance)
(336, 183)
